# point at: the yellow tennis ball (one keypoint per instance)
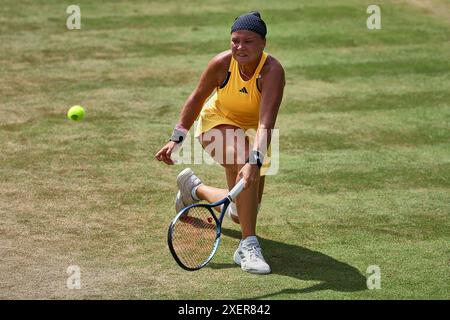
(76, 113)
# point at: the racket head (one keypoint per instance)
(194, 236)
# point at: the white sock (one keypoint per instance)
(249, 239)
(231, 210)
(194, 193)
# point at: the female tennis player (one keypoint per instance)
(248, 88)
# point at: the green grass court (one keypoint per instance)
(364, 173)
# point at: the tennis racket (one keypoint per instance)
(194, 233)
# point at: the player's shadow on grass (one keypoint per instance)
(304, 264)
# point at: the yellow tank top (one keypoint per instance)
(236, 99)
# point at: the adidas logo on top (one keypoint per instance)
(243, 90)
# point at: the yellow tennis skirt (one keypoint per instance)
(212, 117)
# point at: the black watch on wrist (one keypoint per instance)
(255, 157)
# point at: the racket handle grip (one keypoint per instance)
(236, 189)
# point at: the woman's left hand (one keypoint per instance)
(250, 174)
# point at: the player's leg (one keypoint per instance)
(247, 201)
(229, 146)
(212, 194)
(193, 190)
(249, 253)
(222, 143)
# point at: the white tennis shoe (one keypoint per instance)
(178, 202)
(186, 181)
(249, 256)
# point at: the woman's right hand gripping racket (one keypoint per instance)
(194, 234)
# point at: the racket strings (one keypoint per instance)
(193, 237)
